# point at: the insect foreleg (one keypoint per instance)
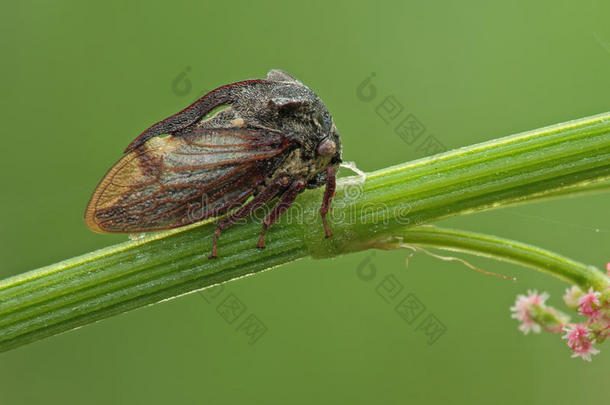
(329, 193)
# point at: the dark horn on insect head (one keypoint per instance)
(221, 96)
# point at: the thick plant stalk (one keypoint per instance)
(556, 160)
(505, 171)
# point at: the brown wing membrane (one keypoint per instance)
(177, 180)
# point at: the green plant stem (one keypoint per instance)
(506, 171)
(506, 250)
(533, 165)
(575, 191)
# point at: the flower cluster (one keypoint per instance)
(525, 308)
(579, 340)
(534, 315)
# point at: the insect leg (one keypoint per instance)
(282, 205)
(263, 197)
(329, 193)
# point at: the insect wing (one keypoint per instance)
(177, 180)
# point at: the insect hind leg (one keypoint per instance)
(286, 200)
(260, 199)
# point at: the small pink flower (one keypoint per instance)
(589, 303)
(521, 310)
(579, 342)
(608, 269)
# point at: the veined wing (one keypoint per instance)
(173, 181)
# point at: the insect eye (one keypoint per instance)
(327, 148)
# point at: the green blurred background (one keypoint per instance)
(80, 80)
